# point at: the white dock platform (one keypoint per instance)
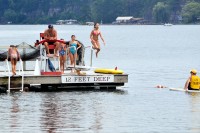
(68, 80)
(37, 81)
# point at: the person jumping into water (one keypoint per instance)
(94, 38)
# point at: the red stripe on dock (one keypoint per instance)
(51, 73)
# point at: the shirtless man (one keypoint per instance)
(51, 36)
(14, 57)
(94, 38)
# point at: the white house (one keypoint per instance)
(124, 19)
(128, 20)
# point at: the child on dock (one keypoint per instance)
(14, 57)
(73, 47)
(62, 53)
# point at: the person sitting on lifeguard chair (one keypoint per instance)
(50, 35)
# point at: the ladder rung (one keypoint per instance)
(16, 88)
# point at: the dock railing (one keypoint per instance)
(7, 70)
(21, 73)
(74, 66)
(43, 57)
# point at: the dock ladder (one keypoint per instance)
(20, 73)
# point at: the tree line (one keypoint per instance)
(48, 11)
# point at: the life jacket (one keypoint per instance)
(195, 82)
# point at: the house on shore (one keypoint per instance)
(89, 23)
(129, 20)
(67, 22)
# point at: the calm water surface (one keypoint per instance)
(151, 55)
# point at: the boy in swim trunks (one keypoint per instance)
(94, 38)
(14, 57)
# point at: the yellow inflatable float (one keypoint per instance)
(108, 71)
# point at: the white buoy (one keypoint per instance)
(37, 68)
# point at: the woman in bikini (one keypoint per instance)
(94, 38)
(14, 57)
(62, 52)
(73, 47)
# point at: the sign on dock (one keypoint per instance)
(88, 79)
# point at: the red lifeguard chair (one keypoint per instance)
(50, 44)
(51, 47)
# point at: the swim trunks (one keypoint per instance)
(14, 56)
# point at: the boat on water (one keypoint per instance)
(41, 78)
(168, 24)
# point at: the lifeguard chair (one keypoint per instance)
(44, 57)
(51, 46)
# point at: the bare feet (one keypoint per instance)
(55, 55)
(97, 52)
(14, 73)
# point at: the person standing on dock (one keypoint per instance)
(94, 38)
(14, 57)
(50, 35)
(73, 47)
(63, 55)
(193, 82)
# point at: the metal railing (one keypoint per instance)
(43, 57)
(21, 73)
(74, 66)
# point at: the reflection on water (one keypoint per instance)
(14, 112)
(57, 112)
(82, 111)
(195, 109)
(72, 112)
(50, 113)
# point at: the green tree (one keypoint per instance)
(107, 10)
(48, 11)
(161, 13)
(190, 12)
(10, 15)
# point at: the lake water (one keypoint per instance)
(151, 55)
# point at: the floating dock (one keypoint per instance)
(42, 79)
(65, 81)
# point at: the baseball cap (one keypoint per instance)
(193, 71)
